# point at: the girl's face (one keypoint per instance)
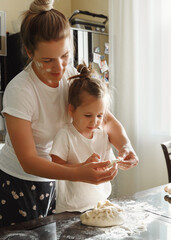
(50, 60)
(89, 115)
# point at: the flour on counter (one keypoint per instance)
(136, 220)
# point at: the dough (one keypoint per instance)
(114, 161)
(168, 189)
(104, 215)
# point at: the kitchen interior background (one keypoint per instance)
(15, 8)
(123, 182)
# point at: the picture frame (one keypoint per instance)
(3, 44)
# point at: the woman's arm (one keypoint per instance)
(22, 139)
(118, 137)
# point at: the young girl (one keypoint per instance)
(83, 140)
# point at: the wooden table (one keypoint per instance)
(68, 226)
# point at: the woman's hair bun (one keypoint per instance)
(41, 5)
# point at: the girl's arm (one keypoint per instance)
(22, 139)
(116, 132)
(93, 158)
(118, 137)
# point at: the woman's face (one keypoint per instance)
(50, 60)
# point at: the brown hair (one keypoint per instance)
(42, 23)
(86, 81)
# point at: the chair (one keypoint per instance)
(166, 146)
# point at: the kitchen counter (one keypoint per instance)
(68, 226)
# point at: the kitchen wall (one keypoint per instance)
(15, 8)
(13, 11)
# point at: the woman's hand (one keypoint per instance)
(128, 157)
(95, 172)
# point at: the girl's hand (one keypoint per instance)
(128, 157)
(93, 158)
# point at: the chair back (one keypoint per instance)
(166, 146)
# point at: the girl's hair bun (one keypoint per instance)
(83, 69)
(85, 72)
(41, 6)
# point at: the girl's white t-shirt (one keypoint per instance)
(73, 147)
(28, 98)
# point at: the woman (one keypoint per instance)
(35, 107)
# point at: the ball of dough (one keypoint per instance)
(104, 215)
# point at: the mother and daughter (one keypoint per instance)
(35, 107)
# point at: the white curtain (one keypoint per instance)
(140, 76)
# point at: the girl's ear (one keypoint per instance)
(70, 109)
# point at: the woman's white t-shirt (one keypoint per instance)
(28, 98)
